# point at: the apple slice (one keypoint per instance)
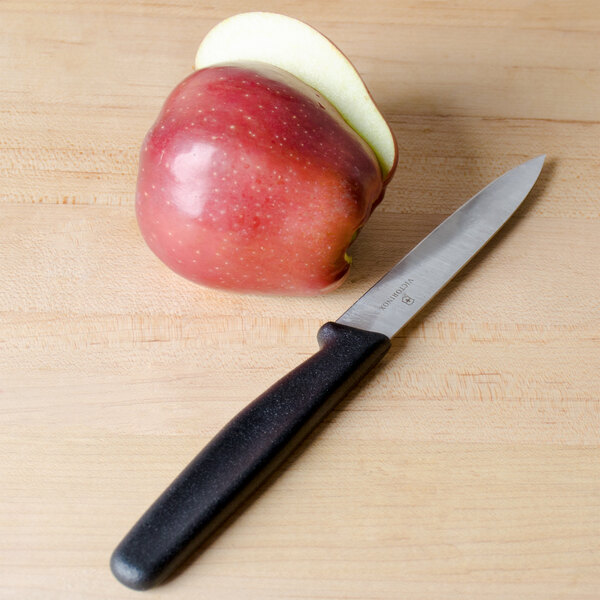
(302, 51)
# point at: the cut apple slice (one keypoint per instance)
(308, 55)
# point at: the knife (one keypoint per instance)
(261, 436)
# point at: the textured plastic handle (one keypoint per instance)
(243, 454)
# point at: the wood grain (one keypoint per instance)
(468, 466)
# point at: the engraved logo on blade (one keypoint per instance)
(399, 293)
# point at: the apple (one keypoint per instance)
(265, 162)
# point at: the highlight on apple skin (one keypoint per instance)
(253, 179)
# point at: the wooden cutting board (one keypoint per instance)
(467, 466)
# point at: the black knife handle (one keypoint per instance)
(243, 454)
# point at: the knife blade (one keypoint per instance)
(398, 296)
(255, 442)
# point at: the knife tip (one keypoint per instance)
(534, 165)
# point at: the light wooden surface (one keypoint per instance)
(468, 466)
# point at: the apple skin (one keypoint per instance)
(251, 181)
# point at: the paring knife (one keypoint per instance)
(262, 435)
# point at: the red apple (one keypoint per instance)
(251, 180)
